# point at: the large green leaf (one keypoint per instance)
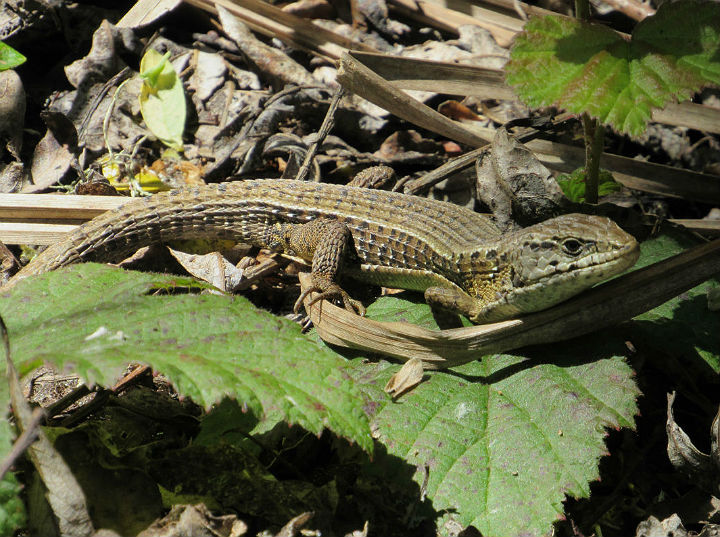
(96, 319)
(590, 68)
(501, 442)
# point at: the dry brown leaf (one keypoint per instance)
(409, 376)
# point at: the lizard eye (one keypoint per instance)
(572, 246)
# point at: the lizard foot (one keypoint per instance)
(331, 291)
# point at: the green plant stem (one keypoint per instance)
(582, 9)
(594, 138)
(592, 129)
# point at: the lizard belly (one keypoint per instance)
(400, 278)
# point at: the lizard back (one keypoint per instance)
(388, 228)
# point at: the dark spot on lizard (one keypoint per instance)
(547, 245)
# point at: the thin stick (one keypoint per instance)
(26, 438)
(30, 428)
(325, 129)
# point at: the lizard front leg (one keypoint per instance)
(480, 309)
(454, 300)
(326, 243)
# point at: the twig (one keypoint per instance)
(26, 438)
(32, 426)
(325, 129)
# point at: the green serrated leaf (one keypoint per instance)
(96, 319)
(573, 184)
(12, 508)
(589, 68)
(9, 57)
(162, 99)
(501, 442)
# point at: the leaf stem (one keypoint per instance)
(582, 9)
(594, 140)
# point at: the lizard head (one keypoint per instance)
(552, 261)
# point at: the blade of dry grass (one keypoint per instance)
(272, 21)
(359, 79)
(439, 77)
(605, 305)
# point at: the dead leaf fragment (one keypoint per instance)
(515, 185)
(103, 60)
(409, 376)
(702, 469)
(51, 161)
(212, 268)
(209, 75)
(12, 113)
(269, 60)
(652, 527)
(457, 111)
(195, 520)
(295, 525)
(311, 9)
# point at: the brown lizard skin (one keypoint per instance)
(457, 257)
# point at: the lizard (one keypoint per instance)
(457, 257)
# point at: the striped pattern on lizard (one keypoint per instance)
(457, 257)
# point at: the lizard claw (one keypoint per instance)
(333, 291)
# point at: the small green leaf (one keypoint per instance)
(589, 68)
(9, 57)
(152, 74)
(97, 319)
(162, 99)
(573, 184)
